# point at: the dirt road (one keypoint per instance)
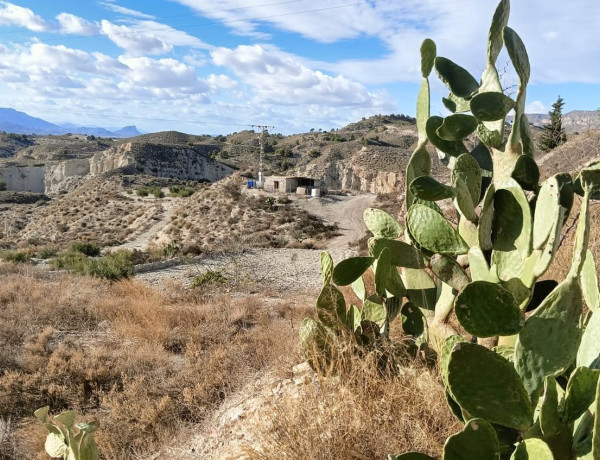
(345, 211)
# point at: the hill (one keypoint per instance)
(576, 121)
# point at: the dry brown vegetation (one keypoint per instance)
(365, 415)
(144, 364)
(224, 217)
(152, 366)
(106, 210)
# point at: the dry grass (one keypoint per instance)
(144, 364)
(366, 415)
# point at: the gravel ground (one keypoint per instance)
(280, 269)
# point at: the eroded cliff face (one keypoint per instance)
(62, 175)
(24, 178)
(150, 159)
(343, 176)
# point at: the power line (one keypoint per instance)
(157, 29)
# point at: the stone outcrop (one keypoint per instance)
(343, 176)
(176, 162)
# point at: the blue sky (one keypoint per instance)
(218, 66)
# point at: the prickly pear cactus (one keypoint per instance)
(66, 439)
(526, 374)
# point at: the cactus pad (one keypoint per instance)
(589, 282)
(402, 254)
(381, 224)
(326, 267)
(456, 127)
(433, 232)
(349, 270)
(526, 173)
(486, 309)
(589, 350)
(449, 271)
(550, 338)
(487, 386)
(518, 54)
(452, 148)
(532, 449)
(456, 78)
(331, 306)
(549, 417)
(427, 188)
(580, 394)
(477, 440)
(491, 106)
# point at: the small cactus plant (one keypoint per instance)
(526, 380)
(66, 439)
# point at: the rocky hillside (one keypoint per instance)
(49, 164)
(576, 121)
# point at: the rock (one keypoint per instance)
(302, 369)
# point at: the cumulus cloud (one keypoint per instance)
(536, 107)
(14, 15)
(217, 82)
(161, 73)
(401, 26)
(148, 37)
(279, 78)
(71, 24)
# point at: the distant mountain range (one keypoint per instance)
(574, 121)
(13, 121)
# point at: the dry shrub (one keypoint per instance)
(365, 415)
(144, 364)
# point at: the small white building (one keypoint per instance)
(285, 184)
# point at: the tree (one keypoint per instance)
(554, 133)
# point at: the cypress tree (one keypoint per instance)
(554, 133)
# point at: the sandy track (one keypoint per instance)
(345, 211)
(142, 238)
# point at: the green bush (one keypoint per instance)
(74, 262)
(181, 191)
(17, 257)
(46, 253)
(154, 190)
(89, 249)
(113, 266)
(211, 277)
(2, 185)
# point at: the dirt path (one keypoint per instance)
(141, 238)
(345, 211)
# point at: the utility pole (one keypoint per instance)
(261, 141)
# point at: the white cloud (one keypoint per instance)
(148, 37)
(110, 5)
(161, 73)
(536, 107)
(14, 15)
(217, 82)
(279, 78)
(71, 24)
